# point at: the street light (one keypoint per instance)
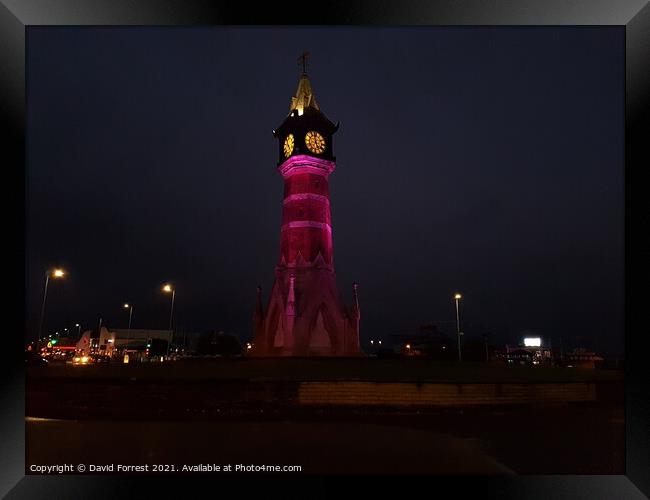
(169, 289)
(78, 328)
(54, 273)
(457, 298)
(128, 331)
(130, 308)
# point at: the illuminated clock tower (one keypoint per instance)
(306, 315)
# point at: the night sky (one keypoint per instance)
(485, 161)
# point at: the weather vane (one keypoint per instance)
(303, 60)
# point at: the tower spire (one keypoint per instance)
(355, 304)
(290, 310)
(304, 97)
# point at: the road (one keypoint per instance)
(561, 440)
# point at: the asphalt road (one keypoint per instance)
(560, 440)
(241, 412)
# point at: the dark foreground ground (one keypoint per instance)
(142, 415)
(524, 441)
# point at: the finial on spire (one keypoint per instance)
(303, 61)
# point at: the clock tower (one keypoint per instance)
(305, 315)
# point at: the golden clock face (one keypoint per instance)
(288, 145)
(315, 142)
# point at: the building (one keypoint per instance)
(582, 358)
(530, 351)
(113, 342)
(306, 315)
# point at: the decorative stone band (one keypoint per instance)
(306, 196)
(306, 164)
(307, 223)
(314, 264)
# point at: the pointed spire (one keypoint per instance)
(300, 260)
(291, 297)
(355, 304)
(290, 311)
(319, 261)
(304, 97)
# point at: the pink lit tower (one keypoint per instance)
(306, 315)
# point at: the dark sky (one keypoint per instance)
(484, 160)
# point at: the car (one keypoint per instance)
(101, 359)
(82, 360)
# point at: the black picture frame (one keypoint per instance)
(16, 16)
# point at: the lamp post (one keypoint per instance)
(170, 289)
(128, 330)
(457, 298)
(78, 329)
(55, 273)
(99, 334)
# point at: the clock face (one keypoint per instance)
(288, 145)
(315, 142)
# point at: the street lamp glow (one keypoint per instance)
(457, 298)
(126, 306)
(167, 288)
(54, 273)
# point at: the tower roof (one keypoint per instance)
(304, 97)
(304, 112)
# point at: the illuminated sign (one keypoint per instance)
(532, 342)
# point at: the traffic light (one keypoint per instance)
(54, 341)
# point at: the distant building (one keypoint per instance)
(582, 358)
(134, 339)
(112, 342)
(530, 351)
